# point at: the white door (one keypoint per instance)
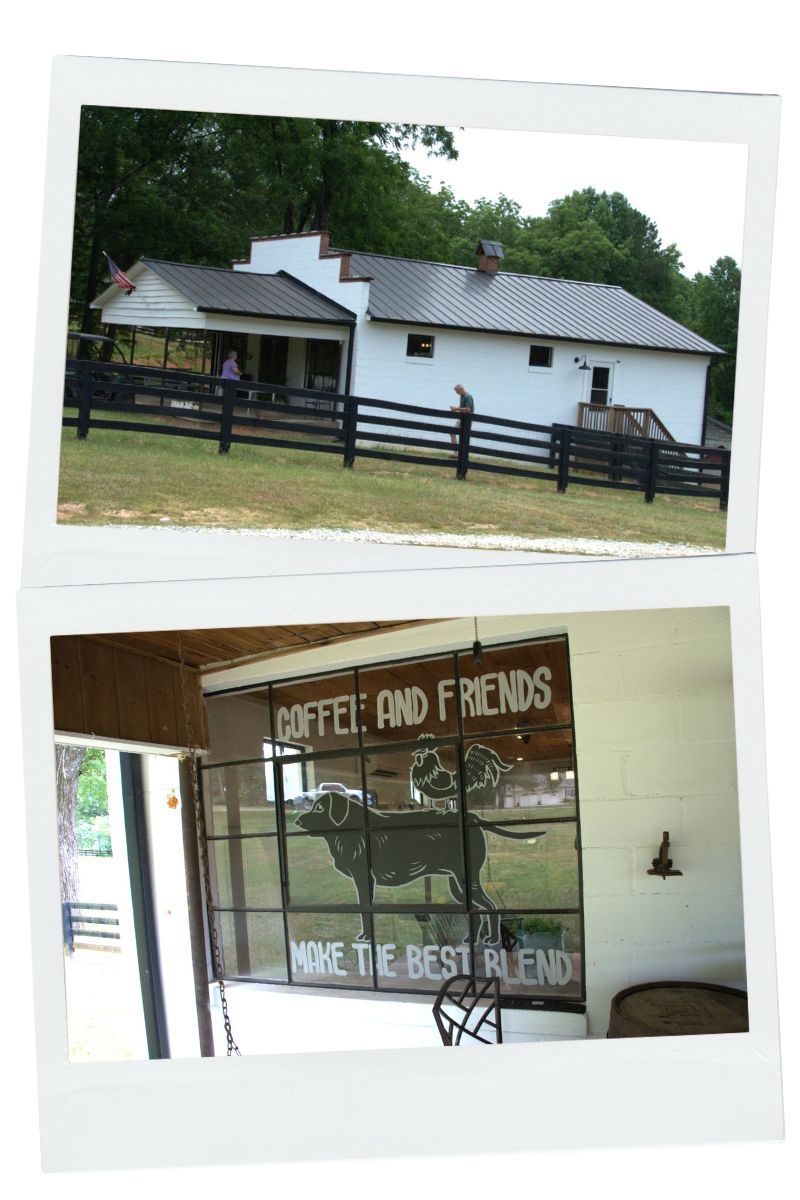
(600, 383)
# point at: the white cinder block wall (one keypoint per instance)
(654, 728)
(656, 751)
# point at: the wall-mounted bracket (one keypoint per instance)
(663, 864)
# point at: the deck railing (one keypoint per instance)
(616, 418)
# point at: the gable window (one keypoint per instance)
(540, 356)
(419, 345)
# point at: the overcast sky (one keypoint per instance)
(694, 191)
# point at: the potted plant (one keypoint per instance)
(540, 933)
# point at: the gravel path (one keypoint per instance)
(596, 547)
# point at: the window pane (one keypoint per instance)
(540, 356)
(245, 872)
(537, 957)
(417, 951)
(253, 945)
(516, 775)
(325, 794)
(421, 777)
(238, 727)
(405, 700)
(516, 687)
(524, 868)
(419, 346)
(317, 714)
(324, 948)
(239, 799)
(331, 869)
(420, 862)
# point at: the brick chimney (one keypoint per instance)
(489, 255)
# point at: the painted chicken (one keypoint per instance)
(432, 780)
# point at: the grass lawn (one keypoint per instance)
(139, 479)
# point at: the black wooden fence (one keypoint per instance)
(89, 922)
(230, 412)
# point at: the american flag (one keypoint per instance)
(119, 277)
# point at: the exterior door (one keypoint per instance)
(600, 386)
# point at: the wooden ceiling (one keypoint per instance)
(215, 649)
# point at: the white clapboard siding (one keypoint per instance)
(154, 302)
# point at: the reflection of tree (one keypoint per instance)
(69, 760)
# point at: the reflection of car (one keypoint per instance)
(306, 799)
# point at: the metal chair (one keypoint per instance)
(465, 993)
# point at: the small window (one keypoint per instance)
(540, 356)
(419, 345)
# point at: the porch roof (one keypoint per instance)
(247, 294)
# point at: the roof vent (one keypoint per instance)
(489, 255)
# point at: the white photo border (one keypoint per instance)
(616, 1092)
(58, 554)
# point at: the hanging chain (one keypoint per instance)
(203, 848)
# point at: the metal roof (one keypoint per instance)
(442, 295)
(280, 296)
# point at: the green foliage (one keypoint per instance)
(715, 314)
(92, 798)
(550, 925)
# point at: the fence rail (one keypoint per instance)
(85, 922)
(230, 412)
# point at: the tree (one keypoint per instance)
(197, 186)
(715, 315)
(68, 764)
(601, 238)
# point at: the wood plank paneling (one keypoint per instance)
(98, 688)
(66, 672)
(162, 702)
(130, 677)
(109, 693)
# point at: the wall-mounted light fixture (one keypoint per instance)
(569, 774)
(584, 365)
(554, 776)
(663, 864)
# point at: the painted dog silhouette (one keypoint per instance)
(405, 846)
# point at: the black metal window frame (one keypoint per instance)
(361, 752)
(420, 345)
(540, 352)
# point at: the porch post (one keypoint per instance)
(196, 908)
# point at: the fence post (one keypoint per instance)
(69, 934)
(85, 407)
(724, 479)
(564, 440)
(652, 473)
(226, 416)
(350, 424)
(464, 430)
(553, 443)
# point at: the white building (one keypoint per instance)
(527, 348)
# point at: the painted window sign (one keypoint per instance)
(389, 826)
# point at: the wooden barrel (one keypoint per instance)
(673, 1008)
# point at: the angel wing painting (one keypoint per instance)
(430, 779)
